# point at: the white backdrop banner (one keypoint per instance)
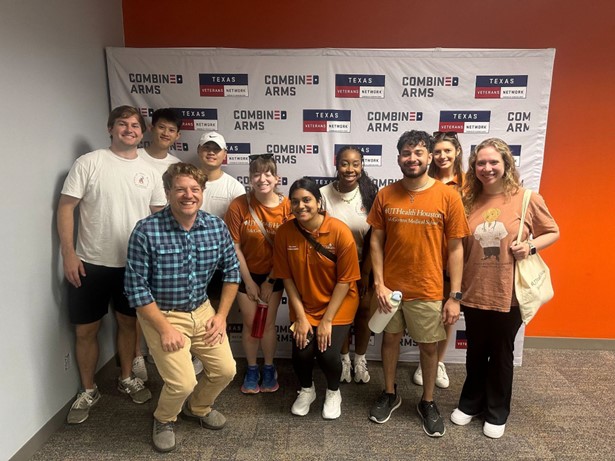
(302, 105)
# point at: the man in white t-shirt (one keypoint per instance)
(221, 188)
(165, 130)
(112, 188)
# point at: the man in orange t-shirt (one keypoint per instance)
(411, 220)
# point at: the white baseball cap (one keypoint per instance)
(213, 137)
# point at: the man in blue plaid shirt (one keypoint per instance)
(171, 258)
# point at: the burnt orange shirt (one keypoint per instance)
(416, 226)
(245, 231)
(315, 275)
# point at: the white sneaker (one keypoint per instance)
(346, 375)
(361, 374)
(418, 376)
(493, 431)
(460, 418)
(138, 368)
(198, 366)
(332, 409)
(306, 396)
(441, 377)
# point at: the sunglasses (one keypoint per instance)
(442, 134)
(253, 157)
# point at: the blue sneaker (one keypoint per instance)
(270, 379)
(250, 382)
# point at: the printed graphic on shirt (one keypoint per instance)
(490, 233)
(413, 216)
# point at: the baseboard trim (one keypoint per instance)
(56, 422)
(539, 342)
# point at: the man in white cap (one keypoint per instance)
(221, 188)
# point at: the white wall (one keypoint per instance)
(54, 105)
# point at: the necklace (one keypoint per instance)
(348, 201)
(416, 189)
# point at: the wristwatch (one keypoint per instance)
(456, 295)
(533, 249)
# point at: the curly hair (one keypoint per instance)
(457, 171)
(473, 188)
(367, 188)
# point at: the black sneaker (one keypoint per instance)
(433, 424)
(385, 405)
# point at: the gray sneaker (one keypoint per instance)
(163, 436)
(135, 389)
(433, 424)
(80, 409)
(213, 420)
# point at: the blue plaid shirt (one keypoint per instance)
(172, 266)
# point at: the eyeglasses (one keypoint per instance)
(263, 156)
(442, 134)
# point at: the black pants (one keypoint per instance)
(489, 363)
(329, 361)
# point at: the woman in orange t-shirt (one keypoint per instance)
(320, 280)
(445, 167)
(255, 254)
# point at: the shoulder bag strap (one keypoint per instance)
(258, 221)
(317, 246)
(526, 200)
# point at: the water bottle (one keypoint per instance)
(380, 319)
(260, 318)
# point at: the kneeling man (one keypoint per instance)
(171, 258)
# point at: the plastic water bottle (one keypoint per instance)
(380, 319)
(260, 318)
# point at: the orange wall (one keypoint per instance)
(581, 116)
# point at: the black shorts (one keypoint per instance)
(90, 302)
(214, 289)
(259, 279)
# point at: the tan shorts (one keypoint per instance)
(423, 319)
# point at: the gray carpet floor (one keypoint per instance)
(563, 409)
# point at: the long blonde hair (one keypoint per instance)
(473, 188)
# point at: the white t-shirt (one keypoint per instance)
(115, 193)
(353, 214)
(160, 164)
(220, 193)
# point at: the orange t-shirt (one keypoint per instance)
(315, 275)
(244, 230)
(416, 226)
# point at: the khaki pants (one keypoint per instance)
(176, 368)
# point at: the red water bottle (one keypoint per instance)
(260, 318)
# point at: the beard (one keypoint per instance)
(414, 174)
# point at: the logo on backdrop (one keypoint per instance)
(286, 85)
(515, 150)
(460, 340)
(389, 121)
(237, 153)
(145, 111)
(359, 86)
(286, 153)
(177, 146)
(322, 180)
(326, 121)
(372, 153)
(465, 121)
(423, 86)
(223, 85)
(198, 119)
(501, 87)
(518, 122)
(152, 83)
(255, 119)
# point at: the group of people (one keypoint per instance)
(175, 245)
